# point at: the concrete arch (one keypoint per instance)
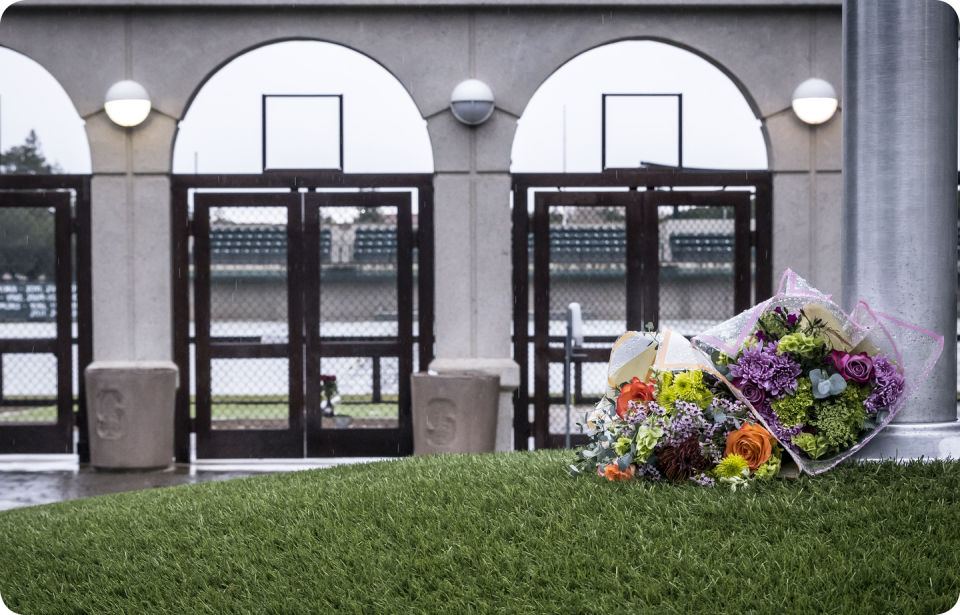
(52, 111)
(722, 67)
(375, 69)
(286, 39)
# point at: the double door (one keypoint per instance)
(678, 258)
(290, 289)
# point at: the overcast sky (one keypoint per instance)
(383, 130)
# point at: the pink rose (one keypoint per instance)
(855, 367)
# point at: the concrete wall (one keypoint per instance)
(767, 50)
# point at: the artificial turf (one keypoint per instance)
(508, 533)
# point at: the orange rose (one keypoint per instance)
(633, 391)
(612, 472)
(753, 443)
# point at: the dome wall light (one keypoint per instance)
(127, 103)
(472, 102)
(815, 101)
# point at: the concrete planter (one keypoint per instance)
(455, 413)
(131, 407)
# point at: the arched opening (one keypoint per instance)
(382, 132)
(40, 129)
(303, 175)
(561, 127)
(641, 188)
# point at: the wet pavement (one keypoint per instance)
(30, 480)
(20, 488)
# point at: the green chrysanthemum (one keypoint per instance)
(686, 386)
(730, 467)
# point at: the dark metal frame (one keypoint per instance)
(642, 267)
(264, 127)
(352, 442)
(603, 126)
(54, 191)
(360, 442)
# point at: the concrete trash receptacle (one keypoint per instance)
(130, 409)
(455, 412)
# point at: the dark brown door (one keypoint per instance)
(36, 337)
(248, 304)
(359, 307)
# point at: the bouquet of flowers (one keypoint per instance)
(821, 381)
(669, 414)
(330, 392)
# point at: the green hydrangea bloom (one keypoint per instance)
(839, 419)
(772, 324)
(647, 438)
(814, 446)
(622, 447)
(771, 468)
(800, 344)
(730, 467)
(795, 410)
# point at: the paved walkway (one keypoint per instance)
(29, 480)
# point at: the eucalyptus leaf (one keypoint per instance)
(719, 417)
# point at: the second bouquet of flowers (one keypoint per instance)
(822, 381)
(669, 414)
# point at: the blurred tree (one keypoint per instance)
(27, 159)
(369, 215)
(26, 244)
(26, 233)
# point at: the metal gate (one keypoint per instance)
(45, 312)
(320, 275)
(632, 247)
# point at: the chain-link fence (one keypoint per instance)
(358, 302)
(248, 304)
(28, 310)
(588, 258)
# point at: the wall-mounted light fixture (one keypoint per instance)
(815, 101)
(472, 102)
(127, 103)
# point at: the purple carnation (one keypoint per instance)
(755, 366)
(784, 378)
(760, 365)
(888, 385)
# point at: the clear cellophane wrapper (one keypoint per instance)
(639, 355)
(913, 349)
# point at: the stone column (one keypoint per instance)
(474, 296)
(900, 194)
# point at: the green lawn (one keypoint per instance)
(233, 407)
(495, 534)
